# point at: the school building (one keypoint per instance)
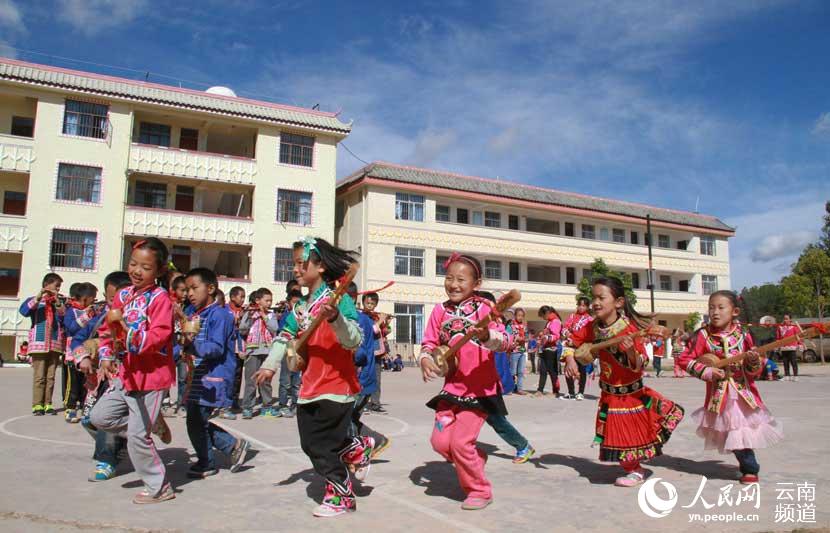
(91, 163)
(405, 222)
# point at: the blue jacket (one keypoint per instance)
(87, 332)
(215, 360)
(364, 357)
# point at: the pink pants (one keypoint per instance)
(454, 436)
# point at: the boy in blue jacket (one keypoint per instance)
(214, 367)
(78, 314)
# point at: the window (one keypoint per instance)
(9, 281)
(570, 275)
(665, 282)
(85, 119)
(537, 225)
(604, 235)
(409, 261)
(569, 229)
(283, 264)
(442, 213)
(78, 183)
(707, 245)
(182, 257)
(478, 218)
(586, 273)
(73, 249)
(189, 139)
(154, 134)
(544, 274)
(439, 265)
(683, 285)
(635, 280)
(635, 237)
(409, 207)
(14, 203)
(409, 323)
(492, 269)
(294, 207)
(513, 222)
(152, 195)
(618, 235)
(23, 127)
(492, 220)
(710, 284)
(589, 231)
(339, 214)
(514, 271)
(296, 149)
(663, 241)
(682, 245)
(462, 216)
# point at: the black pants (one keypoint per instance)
(325, 435)
(583, 377)
(790, 357)
(64, 381)
(359, 428)
(658, 365)
(532, 357)
(551, 367)
(747, 462)
(237, 382)
(75, 392)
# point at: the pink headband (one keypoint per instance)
(458, 257)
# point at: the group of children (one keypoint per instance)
(135, 360)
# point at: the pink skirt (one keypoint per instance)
(737, 427)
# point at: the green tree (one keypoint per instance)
(600, 270)
(824, 239)
(762, 300)
(811, 275)
(692, 321)
(798, 295)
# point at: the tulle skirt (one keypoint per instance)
(737, 427)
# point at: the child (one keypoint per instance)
(258, 325)
(658, 351)
(80, 311)
(46, 341)
(633, 422)
(381, 331)
(107, 445)
(289, 380)
(549, 350)
(473, 391)
(23, 353)
(734, 417)
(237, 301)
(789, 354)
(214, 365)
(329, 384)
(178, 296)
(518, 329)
(581, 319)
(133, 402)
(678, 347)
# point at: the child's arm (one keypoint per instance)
(29, 305)
(499, 339)
(73, 322)
(159, 331)
(349, 333)
(219, 331)
(280, 345)
(273, 323)
(688, 360)
(752, 363)
(245, 324)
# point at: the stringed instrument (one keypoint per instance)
(713, 360)
(586, 353)
(117, 329)
(296, 355)
(445, 357)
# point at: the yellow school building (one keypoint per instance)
(91, 163)
(405, 222)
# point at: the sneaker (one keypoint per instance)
(748, 479)
(476, 504)
(247, 414)
(378, 409)
(270, 412)
(37, 410)
(103, 472)
(239, 454)
(162, 430)
(795, 378)
(199, 472)
(227, 415)
(144, 497)
(287, 412)
(335, 505)
(49, 410)
(580, 397)
(566, 396)
(524, 455)
(71, 416)
(521, 392)
(632, 479)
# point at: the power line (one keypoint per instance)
(353, 154)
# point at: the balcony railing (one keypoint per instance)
(11, 321)
(13, 237)
(188, 226)
(191, 164)
(16, 154)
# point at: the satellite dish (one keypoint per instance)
(767, 320)
(221, 91)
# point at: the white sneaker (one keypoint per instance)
(579, 397)
(566, 397)
(795, 378)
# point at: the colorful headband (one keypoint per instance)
(139, 244)
(458, 257)
(309, 245)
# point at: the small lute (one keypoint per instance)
(586, 352)
(445, 356)
(295, 354)
(713, 360)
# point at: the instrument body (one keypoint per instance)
(586, 353)
(713, 360)
(445, 357)
(296, 354)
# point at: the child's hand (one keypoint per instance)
(188, 338)
(571, 368)
(628, 347)
(263, 376)
(712, 374)
(482, 334)
(429, 370)
(329, 312)
(107, 370)
(752, 357)
(85, 366)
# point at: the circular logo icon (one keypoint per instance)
(653, 505)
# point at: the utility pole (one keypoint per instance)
(650, 270)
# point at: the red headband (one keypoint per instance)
(458, 257)
(140, 243)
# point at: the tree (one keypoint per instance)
(813, 269)
(797, 295)
(824, 239)
(600, 270)
(691, 322)
(762, 300)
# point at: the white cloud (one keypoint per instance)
(822, 125)
(10, 15)
(92, 16)
(780, 245)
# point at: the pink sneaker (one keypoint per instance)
(476, 504)
(632, 479)
(335, 504)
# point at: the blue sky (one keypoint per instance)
(656, 102)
